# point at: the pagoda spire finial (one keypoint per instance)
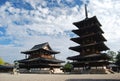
(86, 14)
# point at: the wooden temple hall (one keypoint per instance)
(91, 58)
(41, 56)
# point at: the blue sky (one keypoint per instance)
(25, 23)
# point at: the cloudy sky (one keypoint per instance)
(25, 23)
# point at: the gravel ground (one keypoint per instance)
(59, 77)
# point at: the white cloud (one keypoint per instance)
(49, 25)
(10, 53)
(1, 33)
(107, 12)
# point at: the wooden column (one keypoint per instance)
(54, 55)
(25, 56)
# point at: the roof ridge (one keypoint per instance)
(40, 45)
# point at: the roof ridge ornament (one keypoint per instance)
(86, 14)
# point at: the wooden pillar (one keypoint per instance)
(54, 55)
(25, 56)
(96, 67)
(83, 68)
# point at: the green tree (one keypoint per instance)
(68, 67)
(118, 59)
(7, 63)
(112, 54)
(1, 61)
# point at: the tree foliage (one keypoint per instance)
(7, 63)
(118, 56)
(1, 61)
(68, 67)
(112, 54)
(118, 59)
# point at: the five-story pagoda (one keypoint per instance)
(91, 44)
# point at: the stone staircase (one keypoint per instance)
(93, 71)
(101, 71)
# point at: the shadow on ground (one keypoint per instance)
(92, 80)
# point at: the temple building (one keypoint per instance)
(90, 46)
(40, 56)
